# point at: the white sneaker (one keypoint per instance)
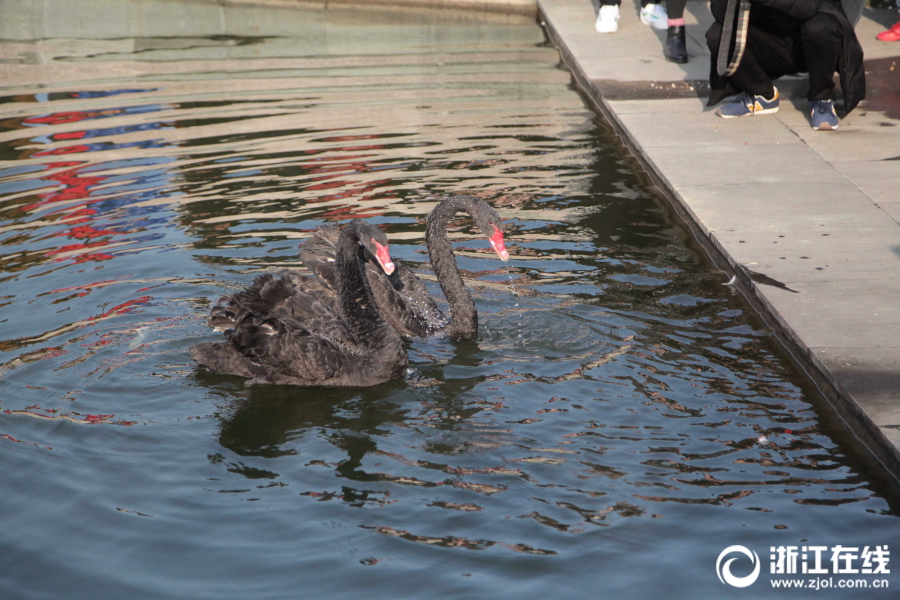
(607, 19)
(655, 16)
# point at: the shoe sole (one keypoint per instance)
(662, 26)
(825, 127)
(765, 111)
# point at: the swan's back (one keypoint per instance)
(291, 330)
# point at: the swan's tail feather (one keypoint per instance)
(220, 322)
(264, 296)
(272, 292)
(252, 335)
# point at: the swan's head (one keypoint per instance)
(375, 241)
(491, 225)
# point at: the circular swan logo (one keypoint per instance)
(724, 571)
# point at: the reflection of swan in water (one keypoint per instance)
(294, 331)
(401, 296)
(338, 432)
(269, 422)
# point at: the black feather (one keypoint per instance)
(295, 330)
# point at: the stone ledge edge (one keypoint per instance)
(875, 448)
(520, 7)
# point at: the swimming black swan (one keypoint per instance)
(401, 296)
(291, 330)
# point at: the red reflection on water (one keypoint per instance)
(72, 417)
(72, 135)
(75, 185)
(122, 309)
(67, 150)
(81, 257)
(70, 116)
(87, 287)
(86, 231)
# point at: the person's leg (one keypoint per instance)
(822, 37)
(718, 86)
(766, 56)
(822, 42)
(608, 16)
(675, 8)
(750, 75)
(675, 49)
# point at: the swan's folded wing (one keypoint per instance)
(316, 313)
(307, 357)
(318, 254)
(286, 346)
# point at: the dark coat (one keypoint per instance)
(786, 16)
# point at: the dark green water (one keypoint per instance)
(620, 421)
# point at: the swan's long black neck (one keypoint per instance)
(464, 317)
(357, 305)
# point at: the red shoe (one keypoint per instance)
(891, 35)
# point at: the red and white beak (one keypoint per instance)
(383, 257)
(499, 245)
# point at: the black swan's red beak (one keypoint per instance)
(383, 257)
(499, 245)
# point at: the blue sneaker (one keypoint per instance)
(746, 105)
(822, 115)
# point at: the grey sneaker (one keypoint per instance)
(746, 105)
(822, 115)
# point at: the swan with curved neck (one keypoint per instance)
(293, 331)
(401, 296)
(463, 316)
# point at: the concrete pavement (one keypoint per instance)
(809, 221)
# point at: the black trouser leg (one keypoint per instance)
(822, 40)
(750, 77)
(675, 8)
(766, 57)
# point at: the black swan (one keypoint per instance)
(402, 297)
(291, 330)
